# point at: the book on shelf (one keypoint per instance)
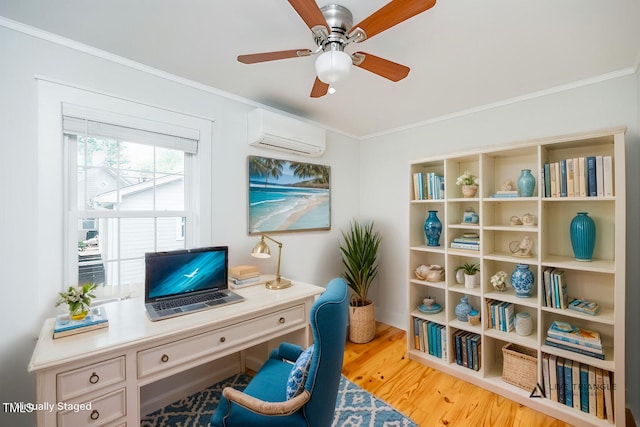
(564, 329)
(583, 306)
(607, 172)
(575, 386)
(563, 178)
(568, 382)
(599, 394)
(65, 326)
(580, 350)
(599, 177)
(592, 190)
(560, 379)
(428, 186)
(570, 178)
(608, 402)
(592, 348)
(468, 246)
(592, 389)
(553, 377)
(584, 388)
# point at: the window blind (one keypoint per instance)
(105, 124)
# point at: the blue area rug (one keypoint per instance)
(355, 407)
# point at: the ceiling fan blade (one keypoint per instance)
(272, 56)
(319, 89)
(393, 13)
(311, 15)
(380, 66)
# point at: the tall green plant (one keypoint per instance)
(359, 257)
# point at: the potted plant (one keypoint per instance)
(469, 184)
(359, 257)
(78, 300)
(471, 276)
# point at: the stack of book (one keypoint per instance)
(469, 242)
(583, 306)
(467, 347)
(428, 186)
(244, 275)
(65, 326)
(501, 194)
(554, 283)
(583, 341)
(430, 337)
(501, 315)
(578, 385)
(589, 176)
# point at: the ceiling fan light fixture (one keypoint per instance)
(333, 66)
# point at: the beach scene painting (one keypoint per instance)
(288, 196)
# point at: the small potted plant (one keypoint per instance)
(78, 300)
(471, 277)
(469, 184)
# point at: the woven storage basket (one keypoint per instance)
(520, 366)
(362, 323)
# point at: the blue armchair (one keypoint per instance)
(270, 399)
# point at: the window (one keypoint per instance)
(129, 190)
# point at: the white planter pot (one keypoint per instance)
(471, 280)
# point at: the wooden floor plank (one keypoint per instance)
(427, 396)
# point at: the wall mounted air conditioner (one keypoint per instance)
(278, 132)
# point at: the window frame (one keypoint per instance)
(53, 264)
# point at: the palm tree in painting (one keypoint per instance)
(319, 173)
(265, 167)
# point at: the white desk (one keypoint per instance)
(107, 369)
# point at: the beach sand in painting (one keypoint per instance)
(313, 203)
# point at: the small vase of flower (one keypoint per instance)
(469, 184)
(78, 300)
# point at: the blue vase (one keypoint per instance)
(583, 236)
(526, 183)
(522, 281)
(463, 309)
(433, 229)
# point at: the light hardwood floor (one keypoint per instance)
(430, 397)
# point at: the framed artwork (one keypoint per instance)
(288, 196)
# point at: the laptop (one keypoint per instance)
(185, 281)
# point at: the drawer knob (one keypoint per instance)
(282, 320)
(94, 378)
(164, 358)
(94, 415)
(222, 339)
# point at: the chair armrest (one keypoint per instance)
(265, 408)
(287, 351)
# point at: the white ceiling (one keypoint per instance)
(463, 54)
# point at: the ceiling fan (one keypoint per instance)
(332, 28)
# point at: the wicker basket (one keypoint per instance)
(520, 366)
(362, 323)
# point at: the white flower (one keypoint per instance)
(467, 178)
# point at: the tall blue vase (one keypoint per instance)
(432, 229)
(522, 281)
(583, 236)
(526, 183)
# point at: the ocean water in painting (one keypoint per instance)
(281, 207)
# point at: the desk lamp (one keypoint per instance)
(261, 250)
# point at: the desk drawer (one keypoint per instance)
(96, 412)
(178, 352)
(84, 380)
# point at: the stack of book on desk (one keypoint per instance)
(243, 275)
(563, 335)
(65, 326)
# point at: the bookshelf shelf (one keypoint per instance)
(601, 280)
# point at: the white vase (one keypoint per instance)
(471, 280)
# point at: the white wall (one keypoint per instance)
(310, 256)
(385, 179)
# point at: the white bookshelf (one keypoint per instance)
(601, 280)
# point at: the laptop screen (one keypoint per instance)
(187, 271)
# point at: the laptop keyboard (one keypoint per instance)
(193, 299)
